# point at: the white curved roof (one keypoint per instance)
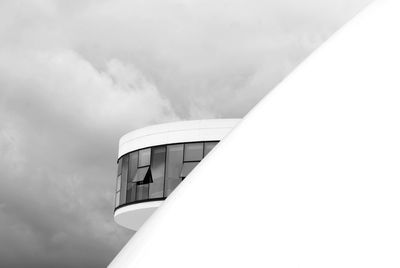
(176, 132)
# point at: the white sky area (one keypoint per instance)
(76, 75)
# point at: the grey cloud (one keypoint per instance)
(76, 75)
(201, 51)
(60, 123)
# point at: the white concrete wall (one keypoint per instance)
(176, 132)
(133, 216)
(309, 178)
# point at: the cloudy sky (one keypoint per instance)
(76, 75)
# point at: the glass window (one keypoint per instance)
(156, 189)
(118, 184)
(143, 174)
(133, 163)
(117, 197)
(193, 151)
(174, 167)
(124, 178)
(144, 157)
(142, 192)
(131, 192)
(156, 172)
(119, 167)
(187, 168)
(208, 146)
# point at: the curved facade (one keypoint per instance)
(154, 160)
(153, 173)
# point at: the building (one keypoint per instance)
(153, 161)
(309, 178)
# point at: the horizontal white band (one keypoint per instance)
(177, 132)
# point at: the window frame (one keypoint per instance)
(135, 184)
(187, 163)
(143, 175)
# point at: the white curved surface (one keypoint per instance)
(133, 216)
(176, 132)
(324, 169)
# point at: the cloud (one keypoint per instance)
(199, 52)
(76, 75)
(60, 123)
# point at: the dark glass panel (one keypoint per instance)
(131, 192)
(119, 167)
(174, 167)
(118, 186)
(133, 163)
(143, 174)
(193, 151)
(117, 198)
(208, 146)
(144, 157)
(187, 168)
(157, 172)
(124, 178)
(142, 192)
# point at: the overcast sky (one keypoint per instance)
(76, 75)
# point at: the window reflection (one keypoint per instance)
(208, 146)
(119, 167)
(187, 168)
(124, 178)
(142, 191)
(133, 163)
(118, 189)
(118, 186)
(155, 172)
(131, 192)
(144, 157)
(174, 166)
(117, 197)
(156, 189)
(193, 151)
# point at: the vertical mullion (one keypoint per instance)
(184, 152)
(151, 161)
(183, 159)
(165, 170)
(124, 178)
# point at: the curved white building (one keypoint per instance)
(152, 162)
(309, 178)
